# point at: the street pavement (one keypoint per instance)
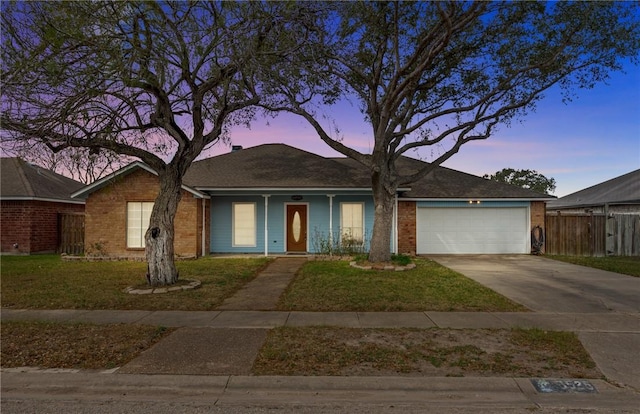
(220, 347)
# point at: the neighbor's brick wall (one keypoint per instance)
(407, 227)
(106, 212)
(32, 225)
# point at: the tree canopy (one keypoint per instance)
(156, 81)
(442, 74)
(529, 179)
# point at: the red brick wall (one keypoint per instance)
(32, 225)
(538, 214)
(106, 212)
(407, 227)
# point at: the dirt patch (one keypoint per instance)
(430, 352)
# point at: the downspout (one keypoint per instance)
(395, 225)
(266, 224)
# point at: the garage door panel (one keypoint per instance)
(472, 230)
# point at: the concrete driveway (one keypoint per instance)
(545, 285)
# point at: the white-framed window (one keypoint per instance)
(352, 222)
(138, 215)
(244, 224)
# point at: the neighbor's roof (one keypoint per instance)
(624, 189)
(20, 180)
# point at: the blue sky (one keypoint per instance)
(592, 139)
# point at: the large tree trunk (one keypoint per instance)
(160, 234)
(384, 200)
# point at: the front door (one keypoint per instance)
(296, 227)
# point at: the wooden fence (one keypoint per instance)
(593, 234)
(71, 233)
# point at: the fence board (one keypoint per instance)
(593, 234)
(71, 227)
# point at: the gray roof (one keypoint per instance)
(624, 189)
(282, 166)
(273, 166)
(20, 180)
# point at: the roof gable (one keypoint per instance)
(624, 189)
(23, 181)
(123, 172)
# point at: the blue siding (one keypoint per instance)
(317, 223)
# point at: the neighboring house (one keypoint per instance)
(276, 199)
(31, 201)
(619, 195)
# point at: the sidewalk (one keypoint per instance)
(222, 344)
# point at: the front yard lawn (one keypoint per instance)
(335, 286)
(47, 282)
(628, 265)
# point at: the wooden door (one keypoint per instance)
(296, 228)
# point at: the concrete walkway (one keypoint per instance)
(223, 343)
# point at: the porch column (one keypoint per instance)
(331, 218)
(266, 224)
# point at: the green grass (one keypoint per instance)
(47, 282)
(335, 286)
(628, 265)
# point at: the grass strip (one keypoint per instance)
(627, 265)
(424, 352)
(80, 346)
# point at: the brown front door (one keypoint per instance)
(297, 228)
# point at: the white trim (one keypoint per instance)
(330, 218)
(48, 200)
(290, 189)
(286, 233)
(255, 224)
(475, 198)
(96, 185)
(266, 224)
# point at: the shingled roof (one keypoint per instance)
(624, 189)
(20, 180)
(273, 166)
(282, 166)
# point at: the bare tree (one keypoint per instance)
(81, 164)
(446, 73)
(156, 81)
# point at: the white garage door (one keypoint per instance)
(472, 230)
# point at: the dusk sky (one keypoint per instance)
(592, 139)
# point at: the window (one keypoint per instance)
(138, 214)
(244, 224)
(352, 222)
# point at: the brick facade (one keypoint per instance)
(407, 223)
(407, 227)
(106, 217)
(32, 226)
